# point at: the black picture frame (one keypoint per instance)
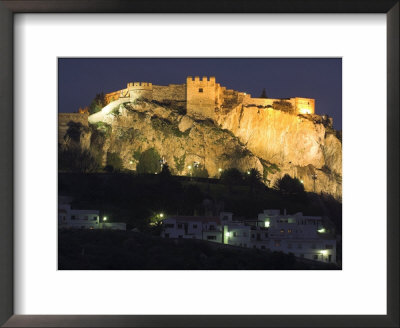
(10, 7)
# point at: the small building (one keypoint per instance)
(69, 218)
(78, 219)
(304, 236)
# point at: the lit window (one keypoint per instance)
(282, 231)
(289, 231)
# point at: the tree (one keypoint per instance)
(200, 171)
(97, 103)
(264, 94)
(75, 130)
(231, 177)
(180, 163)
(149, 162)
(253, 178)
(114, 162)
(165, 172)
(77, 160)
(288, 185)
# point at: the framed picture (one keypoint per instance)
(193, 157)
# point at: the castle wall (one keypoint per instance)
(259, 101)
(138, 90)
(201, 97)
(175, 92)
(304, 105)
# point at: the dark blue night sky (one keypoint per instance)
(320, 78)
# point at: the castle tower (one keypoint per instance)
(201, 97)
(140, 90)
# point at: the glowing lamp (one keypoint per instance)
(219, 170)
(104, 218)
(227, 234)
(324, 252)
(267, 224)
(189, 167)
(161, 215)
(322, 230)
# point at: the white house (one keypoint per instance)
(82, 219)
(304, 236)
(195, 227)
(78, 219)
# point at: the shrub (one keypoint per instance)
(200, 171)
(288, 185)
(114, 161)
(180, 163)
(77, 160)
(283, 105)
(149, 162)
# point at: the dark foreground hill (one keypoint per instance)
(126, 250)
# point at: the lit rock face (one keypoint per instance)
(178, 138)
(244, 137)
(277, 136)
(300, 147)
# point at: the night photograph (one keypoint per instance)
(199, 163)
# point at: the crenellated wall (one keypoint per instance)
(201, 96)
(140, 90)
(204, 97)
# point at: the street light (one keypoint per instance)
(104, 218)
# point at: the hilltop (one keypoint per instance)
(203, 127)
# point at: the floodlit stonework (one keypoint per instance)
(205, 98)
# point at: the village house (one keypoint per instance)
(69, 218)
(304, 236)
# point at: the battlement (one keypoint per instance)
(203, 81)
(140, 85)
(205, 98)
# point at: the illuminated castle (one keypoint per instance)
(205, 97)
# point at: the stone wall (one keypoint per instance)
(201, 97)
(304, 105)
(140, 90)
(172, 92)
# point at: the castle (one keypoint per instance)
(204, 98)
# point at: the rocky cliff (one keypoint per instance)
(272, 141)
